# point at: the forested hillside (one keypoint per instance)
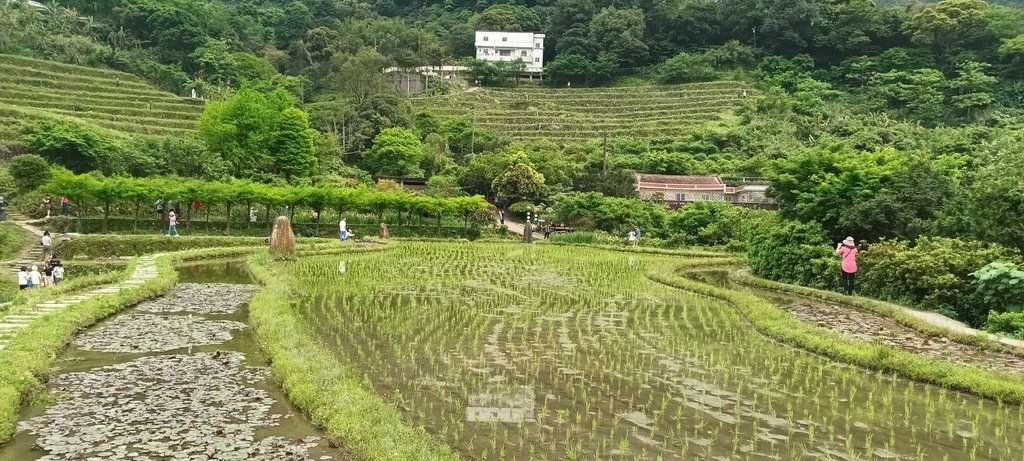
(905, 117)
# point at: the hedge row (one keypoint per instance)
(140, 194)
(128, 226)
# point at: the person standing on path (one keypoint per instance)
(160, 209)
(343, 230)
(47, 205)
(65, 206)
(3, 209)
(34, 277)
(172, 224)
(252, 214)
(501, 217)
(632, 237)
(58, 273)
(47, 243)
(47, 274)
(847, 250)
(23, 279)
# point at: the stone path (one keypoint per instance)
(145, 270)
(33, 255)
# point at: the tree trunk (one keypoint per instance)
(207, 219)
(106, 215)
(135, 227)
(227, 226)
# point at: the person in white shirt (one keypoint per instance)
(343, 230)
(47, 242)
(23, 278)
(58, 274)
(34, 277)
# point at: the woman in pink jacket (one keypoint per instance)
(847, 250)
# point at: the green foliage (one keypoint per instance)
(396, 152)
(259, 135)
(792, 252)
(12, 240)
(707, 224)
(568, 69)
(934, 274)
(865, 194)
(593, 210)
(686, 68)
(619, 32)
(996, 201)
(293, 145)
(1000, 285)
(29, 172)
(508, 18)
(519, 182)
(74, 146)
(1006, 323)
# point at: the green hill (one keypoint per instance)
(575, 114)
(33, 90)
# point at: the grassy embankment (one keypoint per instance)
(528, 112)
(779, 325)
(34, 90)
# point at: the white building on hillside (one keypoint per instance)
(509, 46)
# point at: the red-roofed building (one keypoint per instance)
(679, 190)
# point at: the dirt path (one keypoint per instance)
(193, 386)
(520, 228)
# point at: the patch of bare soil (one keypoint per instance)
(868, 326)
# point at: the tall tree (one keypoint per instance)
(293, 147)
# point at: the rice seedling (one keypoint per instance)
(556, 352)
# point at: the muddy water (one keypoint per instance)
(180, 377)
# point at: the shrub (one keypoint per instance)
(792, 252)
(29, 172)
(934, 274)
(1006, 323)
(686, 68)
(1010, 324)
(74, 146)
(593, 210)
(1000, 286)
(707, 224)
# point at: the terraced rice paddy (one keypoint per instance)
(580, 114)
(513, 352)
(32, 90)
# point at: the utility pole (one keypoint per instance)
(604, 153)
(472, 135)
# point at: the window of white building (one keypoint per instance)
(504, 52)
(486, 38)
(504, 39)
(523, 53)
(536, 59)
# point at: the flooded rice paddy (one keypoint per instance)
(176, 378)
(513, 352)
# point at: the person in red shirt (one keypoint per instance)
(847, 249)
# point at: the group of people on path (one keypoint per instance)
(53, 269)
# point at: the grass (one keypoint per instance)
(34, 90)
(12, 240)
(653, 111)
(331, 392)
